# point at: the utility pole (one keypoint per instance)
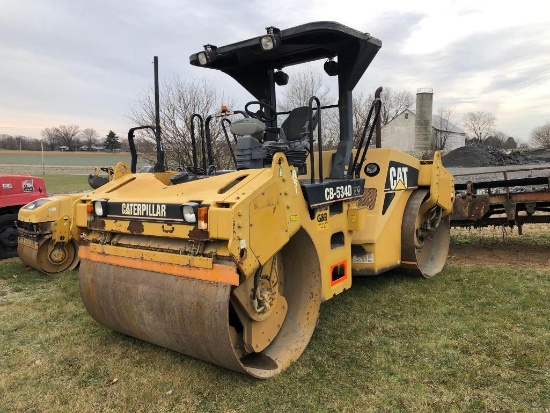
(42, 147)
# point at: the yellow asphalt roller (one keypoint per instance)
(47, 238)
(230, 266)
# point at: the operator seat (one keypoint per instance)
(250, 153)
(294, 138)
(295, 127)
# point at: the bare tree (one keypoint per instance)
(302, 85)
(49, 135)
(89, 136)
(18, 142)
(179, 101)
(497, 139)
(540, 136)
(443, 127)
(67, 134)
(393, 103)
(480, 124)
(361, 108)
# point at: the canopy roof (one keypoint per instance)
(249, 65)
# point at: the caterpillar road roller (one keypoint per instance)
(231, 266)
(47, 238)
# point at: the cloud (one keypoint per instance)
(68, 61)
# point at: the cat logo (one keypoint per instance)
(401, 177)
(398, 178)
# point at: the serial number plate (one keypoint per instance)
(341, 192)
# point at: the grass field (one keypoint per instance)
(58, 158)
(56, 184)
(473, 339)
(65, 171)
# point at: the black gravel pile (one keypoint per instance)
(540, 155)
(472, 156)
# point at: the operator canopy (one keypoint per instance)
(251, 62)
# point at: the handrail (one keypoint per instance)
(223, 122)
(355, 169)
(208, 145)
(206, 138)
(132, 145)
(319, 140)
(194, 141)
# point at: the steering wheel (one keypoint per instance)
(260, 114)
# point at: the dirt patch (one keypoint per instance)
(534, 256)
(502, 246)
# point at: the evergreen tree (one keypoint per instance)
(112, 142)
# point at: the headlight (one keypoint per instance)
(189, 212)
(272, 39)
(35, 204)
(202, 58)
(267, 42)
(100, 207)
(208, 56)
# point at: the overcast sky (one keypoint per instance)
(83, 62)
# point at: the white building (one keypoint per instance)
(400, 133)
(408, 133)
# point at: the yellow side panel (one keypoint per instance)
(81, 218)
(332, 239)
(220, 222)
(268, 223)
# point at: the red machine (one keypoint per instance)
(15, 192)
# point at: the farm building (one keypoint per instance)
(420, 129)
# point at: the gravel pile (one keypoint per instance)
(473, 156)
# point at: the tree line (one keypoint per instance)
(69, 137)
(182, 99)
(73, 138)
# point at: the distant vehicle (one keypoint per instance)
(15, 191)
(64, 148)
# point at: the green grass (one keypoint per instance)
(473, 339)
(56, 184)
